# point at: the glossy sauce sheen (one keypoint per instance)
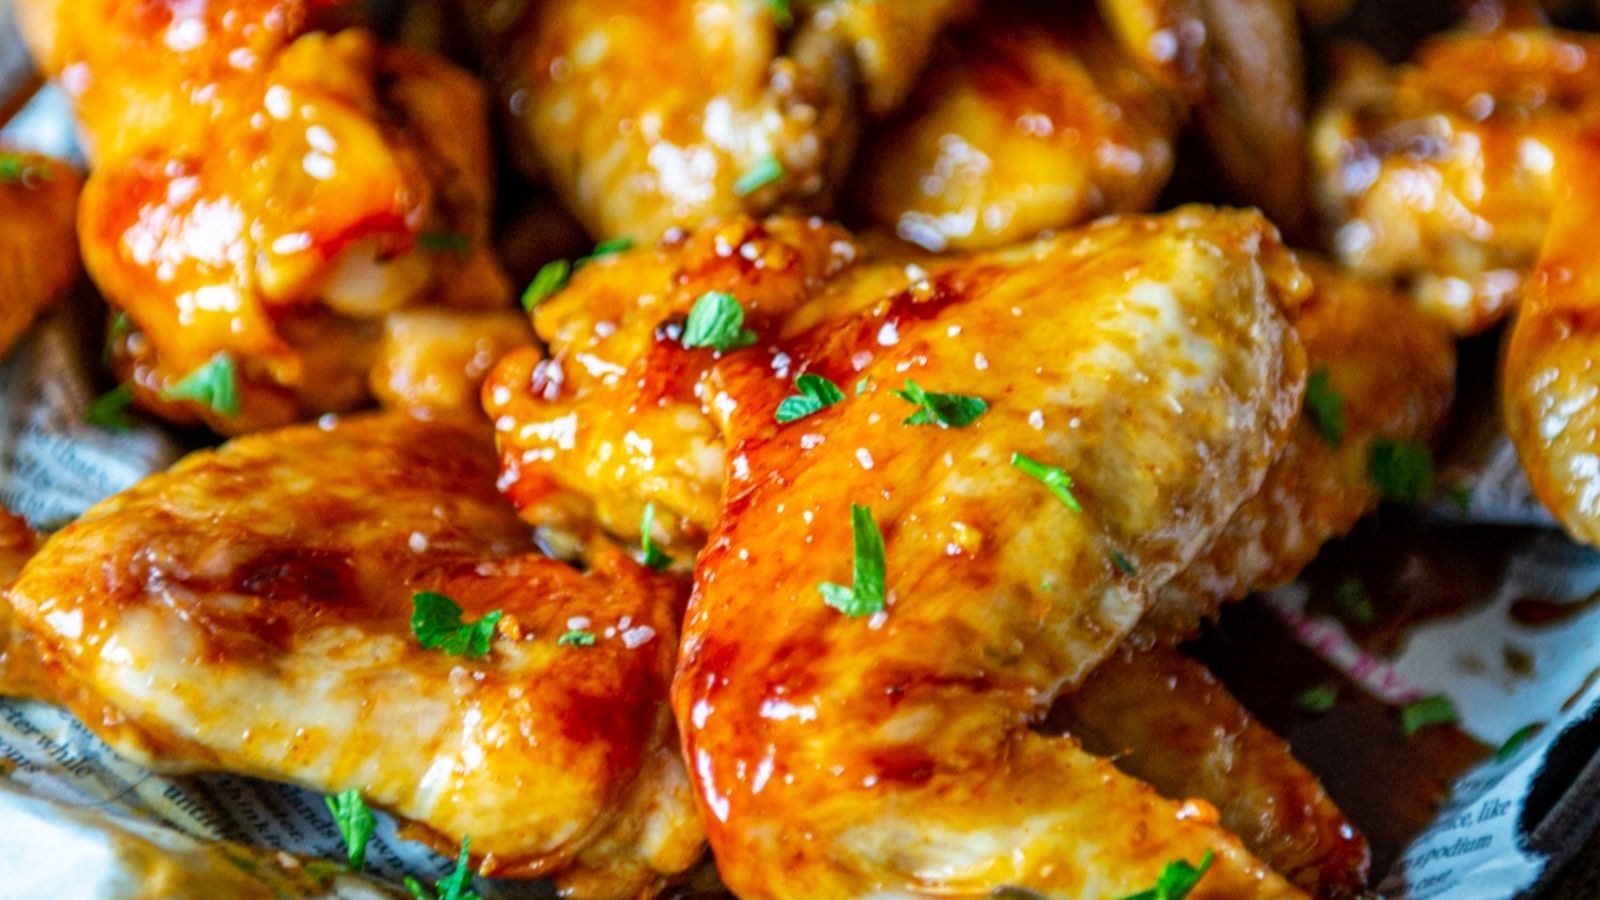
(893, 754)
(260, 188)
(249, 611)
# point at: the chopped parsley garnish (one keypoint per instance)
(215, 384)
(110, 410)
(866, 596)
(653, 557)
(603, 249)
(1318, 699)
(1402, 470)
(1516, 741)
(1116, 555)
(1325, 406)
(945, 410)
(355, 822)
(816, 393)
(1058, 481)
(551, 277)
(782, 14)
(763, 173)
(1461, 496)
(1176, 880)
(15, 169)
(862, 385)
(1352, 600)
(455, 886)
(576, 638)
(1435, 709)
(436, 621)
(717, 322)
(445, 242)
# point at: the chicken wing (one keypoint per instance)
(251, 611)
(646, 114)
(898, 742)
(38, 253)
(1165, 720)
(1389, 369)
(266, 186)
(1022, 123)
(1440, 172)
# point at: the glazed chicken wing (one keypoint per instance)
(251, 611)
(1441, 171)
(1037, 116)
(1389, 369)
(38, 253)
(646, 114)
(266, 187)
(1148, 359)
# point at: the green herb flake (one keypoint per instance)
(110, 410)
(1058, 481)
(717, 322)
(763, 173)
(1517, 741)
(355, 822)
(1353, 603)
(816, 394)
(1318, 699)
(1176, 880)
(866, 596)
(15, 169)
(436, 621)
(1435, 709)
(576, 638)
(1325, 406)
(215, 385)
(862, 386)
(455, 886)
(551, 277)
(1401, 470)
(445, 242)
(944, 410)
(782, 13)
(604, 249)
(1461, 496)
(1117, 559)
(653, 557)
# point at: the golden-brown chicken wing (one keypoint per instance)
(266, 187)
(1165, 720)
(250, 611)
(1441, 171)
(897, 739)
(1390, 370)
(38, 252)
(646, 114)
(1022, 123)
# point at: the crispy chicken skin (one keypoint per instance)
(900, 744)
(1393, 367)
(1440, 172)
(267, 190)
(38, 252)
(249, 611)
(1165, 720)
(646, 114)
(1022, 123)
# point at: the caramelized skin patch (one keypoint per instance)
(38, 249)
(647, 114)
(1164, 379)
(267, 190)
(1393, 367)
(1022, 123)
(1167, 721)
(1441, 172)
(249, 610)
